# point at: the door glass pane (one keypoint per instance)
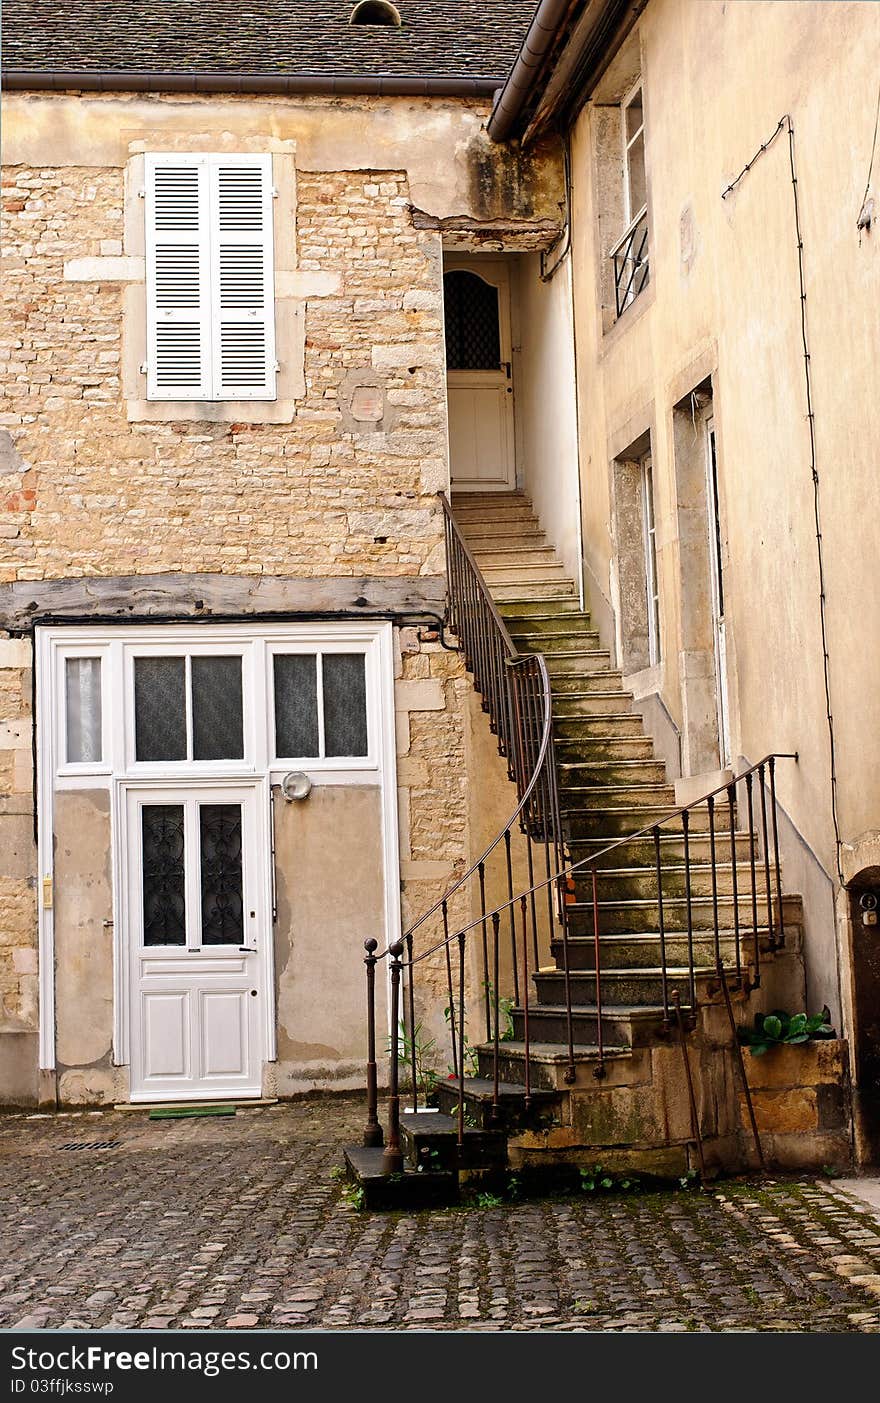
(83, 698)
(217, 709)
(296, 704)
(222, 895)
(345, 704)
(473, 335)
(163, 875)
(160, 708)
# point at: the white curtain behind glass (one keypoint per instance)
(83, 686)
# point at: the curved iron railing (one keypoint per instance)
(515, 692)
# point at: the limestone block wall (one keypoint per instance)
(18, 880)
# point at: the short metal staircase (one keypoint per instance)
(636, 913)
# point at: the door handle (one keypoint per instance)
(247, 949)
(505, 366)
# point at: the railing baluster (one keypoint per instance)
(525, 1008)
(445, 909)
(664, 975)
(731, 807)
(692, 972)
(710, 802)
(481, 870)
(496, 1100)
(597, 960)
(372, 1131)
(780, 916)
(766, 855)
(512, 916)
(408, 940)
(392, 1159)
(754, 880)
(461, 1036)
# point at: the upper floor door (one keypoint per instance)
(478, 375)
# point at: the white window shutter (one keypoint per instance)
(242, 284)
(178, 278)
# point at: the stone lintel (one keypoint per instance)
(205, 596)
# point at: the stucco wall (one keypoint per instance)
(724, 301)
(547, 452)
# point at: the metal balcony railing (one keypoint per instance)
(631, 261)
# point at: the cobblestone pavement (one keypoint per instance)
(239, 1222)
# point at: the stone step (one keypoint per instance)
(479, 1096)
(503, 531)
(478, 514)
(574, 759)
(534, 590)
(516, 558)
(633, 987)
(529, 607)
(603, 681)
(580, 662)
(604, 747)
(623, 1025)
(584, 817)
(429, 1140)
(634, 914)
(599, 725)
(540, 573)
(412, 1189)
(638, 852)
(557, 641)
(640, 883)
(548, 1063)
(634, 793)
(533, 628)
(603, 703)
(632, 951)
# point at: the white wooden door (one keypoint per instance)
(198, 931)
(479, 385)
(716, 574)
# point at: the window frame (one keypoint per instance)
(309, 648)
(208, 161)
(649, 547)
(631, 215)
(84, 768)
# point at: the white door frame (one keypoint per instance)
(495, 272)
(716, 569)
(259, 965)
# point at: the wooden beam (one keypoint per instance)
(25, 603)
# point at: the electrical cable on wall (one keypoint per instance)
(866, 213)
(785, 124)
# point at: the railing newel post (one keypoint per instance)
(392, 1158)
(373, 1137)
(778, 873)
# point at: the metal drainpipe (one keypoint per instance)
(536, 46)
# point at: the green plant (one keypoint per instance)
(687, 1179)
(505, 1013)
(421, 1048)
(778, 1028)
(453, 1014)
(597, 1180)
(354, 1196)
(488, 1200)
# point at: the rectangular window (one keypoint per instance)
(82, 694)
(320, 702)
(164, 874)
(210, 293)
(649, 533)
(630, 255)
(188, 708)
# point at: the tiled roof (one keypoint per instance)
(437, 39)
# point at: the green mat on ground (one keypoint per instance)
(178, 1112)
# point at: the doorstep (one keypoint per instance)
(181, 1105)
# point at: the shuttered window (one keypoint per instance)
(210, 303)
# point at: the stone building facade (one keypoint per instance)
(307, 524)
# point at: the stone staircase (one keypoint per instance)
(611, 784)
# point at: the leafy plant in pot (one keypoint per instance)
(780, 1029)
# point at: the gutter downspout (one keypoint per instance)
(511, 98)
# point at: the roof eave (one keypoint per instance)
(274, 84)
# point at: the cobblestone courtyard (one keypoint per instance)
(239, 1222)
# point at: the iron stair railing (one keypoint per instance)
(516, 695)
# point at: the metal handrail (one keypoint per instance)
(516, 694)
